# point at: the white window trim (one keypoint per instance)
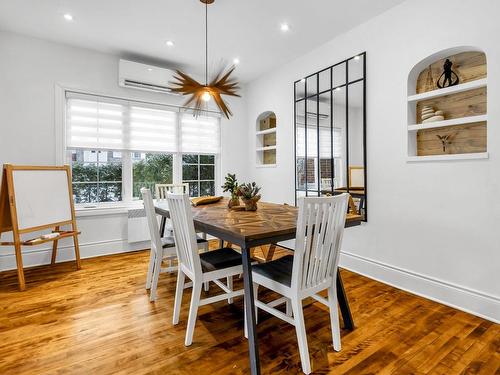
(127, 201)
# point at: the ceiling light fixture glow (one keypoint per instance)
(68, 17)
(284, 27)
(206, 96)
(236, 61)
(170, 43)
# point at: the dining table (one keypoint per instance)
(271, 223)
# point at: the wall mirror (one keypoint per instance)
(330, 133)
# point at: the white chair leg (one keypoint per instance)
(288, 307)
(179, 289)
(300, 328)
(334, 317)
(206, 284)
(230, 286)
(151, 267)
(156, 275)
(193, 312)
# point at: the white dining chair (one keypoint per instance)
(311, 269)
(161, 248)
(161, 190)
(199, 268)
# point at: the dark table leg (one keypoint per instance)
(221, 244)
(344, 304)
(162, 226)
(250, 312)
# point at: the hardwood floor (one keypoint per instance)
(99, 321)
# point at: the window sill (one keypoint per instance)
(118, 209)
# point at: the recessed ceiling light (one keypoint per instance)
(170, 43)
(338, 89)
(236, 61)
(284, 27)
(68, 17)
(150, 69)
(357, 57)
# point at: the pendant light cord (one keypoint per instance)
(206, 44)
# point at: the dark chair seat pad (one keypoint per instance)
(170, 242)
(219, 259)
(279, 270)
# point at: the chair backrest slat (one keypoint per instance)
(154, 230)
(162, 190)
(179, 207)
(320, 227)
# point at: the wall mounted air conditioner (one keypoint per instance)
(144, 77)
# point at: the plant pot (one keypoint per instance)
(251, 204)
(233, 202)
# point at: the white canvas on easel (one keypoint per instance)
(41, 197)
(37, 198)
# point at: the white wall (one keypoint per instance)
(29, 71)
(432, 226)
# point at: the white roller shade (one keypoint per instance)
(324, 142)
(152, 130)
(200, 134)
(93, 122)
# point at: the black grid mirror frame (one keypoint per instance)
(319, 171)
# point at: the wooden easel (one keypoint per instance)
(9, 220)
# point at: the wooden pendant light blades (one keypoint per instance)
(221, 84)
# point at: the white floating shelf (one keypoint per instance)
(449, 90)
(477, 155)
(267, 131)
(444, 123)
(265, 166)
(266, 148)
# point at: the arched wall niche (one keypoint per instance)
(266, 145)
(423, 64)
(445, 121)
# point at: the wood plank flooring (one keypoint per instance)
(99, 321)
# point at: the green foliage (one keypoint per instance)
(154, 169)
(231, 184)
(249, 190)
(92, 184)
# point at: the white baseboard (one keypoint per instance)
(456, 296)
(39, 256)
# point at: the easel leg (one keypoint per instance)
(77, 252)
(54, 249)
(20, 271)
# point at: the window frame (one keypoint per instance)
(62, 154)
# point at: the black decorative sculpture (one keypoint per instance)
(448, 77)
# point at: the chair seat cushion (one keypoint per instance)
(219, 259)
(279, 270)
(170, 242)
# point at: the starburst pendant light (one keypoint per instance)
(222, 84)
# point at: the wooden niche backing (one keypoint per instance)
(465, 138)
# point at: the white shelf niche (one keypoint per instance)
(451, 122)
(449, 90)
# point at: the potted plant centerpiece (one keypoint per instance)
(231, 185)
(249, 194)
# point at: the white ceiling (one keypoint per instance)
(138, 29)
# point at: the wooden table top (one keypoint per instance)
(270, 220)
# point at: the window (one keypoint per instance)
(149, 169)
(116, 147)
(97, 176)
(310, 182)
(199, 172)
